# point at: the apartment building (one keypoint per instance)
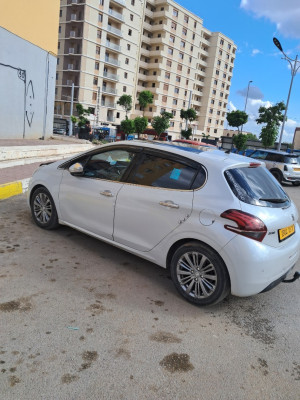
(108, 48)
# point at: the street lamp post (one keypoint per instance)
(246, 101)
(294, 69)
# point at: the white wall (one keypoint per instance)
(27, 88)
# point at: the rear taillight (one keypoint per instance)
(247, 225)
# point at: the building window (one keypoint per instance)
(176, 90)
(169, 63)
(153, 84)
(172, 39)
(186, 19)
(175, 101)
(221, 41)
(164, 99)
(211, 110)
(181, 56)
(100, 17)
(126, 61)
(178, 79)
(128, 46)
(220, 52)
(193, 36)
(189, 71)
(118, 115)
(166, 86)
(131, 17)
(220, 103)
(229, 46)
(217, 72)
(218, 112)
(170, 50)
(95, 81)
(192, 48)
(224, 75)
(132, 2)
(187, 82)
(98, 50)
(175, 12)
(167, 75)
(58, 45)
(171, 124)
(57, 61)
(157, 48)
(98, 34)
(97, 66)
(184, 31)
(214, 91)
(124, 88)
(221, 94)
(173, 26)
(129, 32)
(154, 73)
(59, 29)
(94, 95)
(215, 82)
(209, 120)
(60, 13)
(212, 101)
(190, 59)
(182, 43)
(219, 62)
(56, 76)
(125, 75)
(179, 67)
(226, 66)
(195, 24)
(174, 113)
(185, 92)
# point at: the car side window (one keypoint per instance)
(260, 155)
(275, 157)
(157, 171)
(110, 165)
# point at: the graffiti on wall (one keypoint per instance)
(23, 94)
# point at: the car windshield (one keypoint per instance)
(292, 159)
(256, 186)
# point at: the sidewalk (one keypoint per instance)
(20, 158)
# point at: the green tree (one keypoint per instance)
(125, 101)
(82, 115)
(251, 136)
(140, 124)
(186, 133)
(237, 118)
(161, 122)
(240, 141)
(127, 126)
(272, 117)
(145, 98)
(189, 115)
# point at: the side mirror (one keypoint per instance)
(76, 169)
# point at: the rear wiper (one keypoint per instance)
(274, 200)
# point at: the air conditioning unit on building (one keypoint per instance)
(70, 66)
(73, 17)
(69, 82)
(72, 34)
(71, 50)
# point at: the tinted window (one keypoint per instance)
(110, 165)
(256, 186)
(292, 159)
(261, 155)
(161, 172)
(275, 157)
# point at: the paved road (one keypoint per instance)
(83, 320)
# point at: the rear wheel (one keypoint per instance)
(277, 174)
(43, 209)
(199, 274)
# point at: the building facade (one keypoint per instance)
(28, 42)
(296, 139)
(108, 48)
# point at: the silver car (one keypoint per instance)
(284, 166)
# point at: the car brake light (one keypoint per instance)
(254, 165)
(247, 225)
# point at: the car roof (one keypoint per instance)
(209, 155)
(284, 153)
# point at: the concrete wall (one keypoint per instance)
(27, 86)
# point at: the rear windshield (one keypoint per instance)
(256, 186)
(292, 159)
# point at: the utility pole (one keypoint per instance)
(246, 101)
(71, 111)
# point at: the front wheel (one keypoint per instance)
(296, 183)
(199, 274)
(43, 209)
(277, 175)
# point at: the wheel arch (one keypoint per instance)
(34, 189)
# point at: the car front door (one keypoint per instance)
(155, 200)
(88, 202)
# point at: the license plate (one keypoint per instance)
(284, 233)
(296, 169)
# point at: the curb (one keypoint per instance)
(13, 188)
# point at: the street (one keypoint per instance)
(83, 320)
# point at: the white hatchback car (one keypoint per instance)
(220, 222)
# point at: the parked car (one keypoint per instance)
(220, 222)
(284, 166)
(59, 131)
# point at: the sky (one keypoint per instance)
(252, 24)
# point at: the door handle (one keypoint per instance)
(107, 193)
(168, 203)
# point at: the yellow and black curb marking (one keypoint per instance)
(13, 188)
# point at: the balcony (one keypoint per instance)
(148, 12)
(113, 61)
(113, 46)
(108, 89)
(108, 104)
(120, 2)
(114, 31)
(109, 75)
(115, 14)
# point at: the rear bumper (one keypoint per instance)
(261, 267)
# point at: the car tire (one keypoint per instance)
(296, 183)
(43, 209)
(277, 175)
(199, 274)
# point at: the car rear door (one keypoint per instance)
(156, 199)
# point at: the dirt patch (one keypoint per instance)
(90, 356)
(22, 304)
(123, 353)
(13, 380)
(68, 378)
(165, 337)
(177, 363)
(296, 371)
